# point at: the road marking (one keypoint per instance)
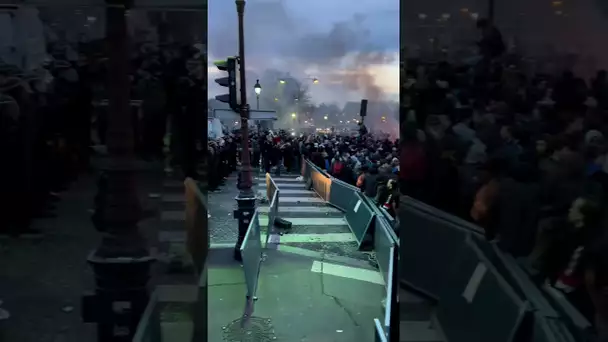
(285, 185)
(173, 215)
(300, 199)
(283, 179)
(295, 192)
(310, 221)
(320, 210)
(347, 272)
(175, 198)
(171, 236)
(313, 238)
(173, 184)
(221, 245)
(418, 331)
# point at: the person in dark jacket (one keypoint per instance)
(371, 182)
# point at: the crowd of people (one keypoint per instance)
(522, 155)
(54, 115)
(369, 163)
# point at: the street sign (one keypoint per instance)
(261, 115)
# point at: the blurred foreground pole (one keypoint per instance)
(246, 198)
(121, 262)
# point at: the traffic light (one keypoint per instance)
(230, 65)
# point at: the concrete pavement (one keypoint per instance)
(310, 288)
(42, 280)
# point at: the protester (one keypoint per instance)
(515, 151)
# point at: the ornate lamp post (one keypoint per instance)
(121, 262)
(246, 197)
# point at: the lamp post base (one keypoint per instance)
(244, 212)
(120, 298)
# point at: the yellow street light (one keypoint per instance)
(293, 115)
(325, 117)
(315, 80)
(276, 99)
(282, 81)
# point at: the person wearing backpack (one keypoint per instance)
(337, 168)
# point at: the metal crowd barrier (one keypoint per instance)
(577, 324)
(271, 186)
(149, 329)
(197, 243)
(341, 194)
(427, 237)
(359, 217)
(384, 244)
(380, 333)
(251, 251)
(362, 214)
(458, 263)
(197, 227)
(476, 303)
(273, 211)
(306, 168)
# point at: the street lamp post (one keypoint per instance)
(246, 197)
(258, 90)
(121, 262)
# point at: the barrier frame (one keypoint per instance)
(254, 228)
(524, 306)
(380, 229)
(379, 331)
(270, 189)
(356, 205)
(338, 182)
(531, 292)
(390, 295)
(272, 215)
(148, 328)
(569, 314)
(317, 175)
(197, 226)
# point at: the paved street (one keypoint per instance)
(42, 280)
(313, 286)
